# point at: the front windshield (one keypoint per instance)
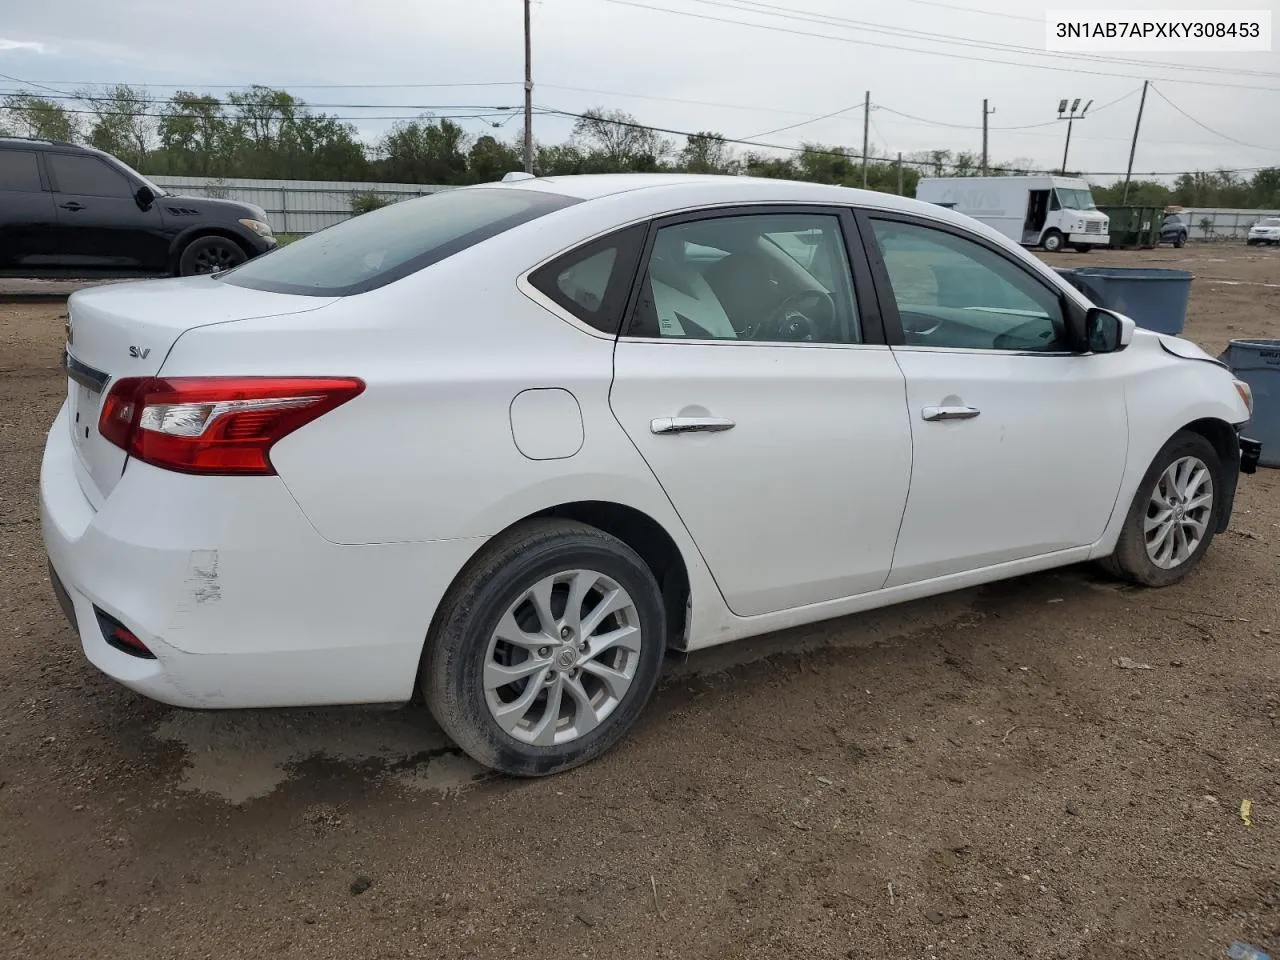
(1270, 222)
(1073, 199)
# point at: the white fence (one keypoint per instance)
(295, 206)
(1223, 224)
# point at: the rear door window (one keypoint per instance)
(19, 171)
(377, 248)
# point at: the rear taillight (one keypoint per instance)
(215, 425)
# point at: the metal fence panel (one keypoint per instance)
(296, 206)
(1220, 223)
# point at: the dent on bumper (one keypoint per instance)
(241, 601)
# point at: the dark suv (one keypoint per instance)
(71, 211)
(1174, 230)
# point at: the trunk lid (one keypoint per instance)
(127, 330)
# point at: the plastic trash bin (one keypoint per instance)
(1152, 297)
(1257, 363)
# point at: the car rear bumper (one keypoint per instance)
(239, 599)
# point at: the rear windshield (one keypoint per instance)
(380, 247)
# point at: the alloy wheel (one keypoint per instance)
(562, 658)
(1178, 512)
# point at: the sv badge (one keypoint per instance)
(139, 353)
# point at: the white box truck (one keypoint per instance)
(1044, 211)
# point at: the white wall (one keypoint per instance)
(295, 206)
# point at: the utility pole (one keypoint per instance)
(866, 136)
(1071, 116)
(528, 93)
(985, 113)
(1133, 147)
(899, 173)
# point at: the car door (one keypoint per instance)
(100, 224)
(761, 394)
(27, 219)
(1019, 443)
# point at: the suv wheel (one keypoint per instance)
(210, 255)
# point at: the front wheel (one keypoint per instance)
(1052, 241)
(1180, 241)
(1081, 247)
(546, 649)
(210, 255)
(1174, 514)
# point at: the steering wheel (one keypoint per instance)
(802, 317)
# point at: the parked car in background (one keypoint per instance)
(1265, 231)
(505, 445)
(1174, 230)
(73, 211)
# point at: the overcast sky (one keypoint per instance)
(749, 79)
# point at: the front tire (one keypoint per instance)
(546, 649)
(1174, 514)
(1180, 241)
(1081, 247)
(210, 255)
(1052, 242)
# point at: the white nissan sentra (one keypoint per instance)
(504, 445)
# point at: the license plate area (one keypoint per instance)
(85, 394)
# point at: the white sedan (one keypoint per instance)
(504, 445)
(1265, 231)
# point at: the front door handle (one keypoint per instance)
(72, 206)
(949, 413)
(690, 425)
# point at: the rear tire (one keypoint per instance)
(205, 255)
(1052, 242)
(577, 679)
(1174, 514)
(1081, 247)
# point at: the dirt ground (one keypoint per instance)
(968, 777)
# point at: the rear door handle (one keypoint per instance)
(949, 413)
(72, 206)
(690, 425)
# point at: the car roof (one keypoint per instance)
(726, 188)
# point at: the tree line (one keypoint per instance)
(261, 132)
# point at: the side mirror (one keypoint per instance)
(144, 197)
(1107, 331)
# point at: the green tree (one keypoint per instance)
(40, 117)
(615, 142)
(123, 122)
(425, 150)
(490, 159)
(707, 152)
(196, 136)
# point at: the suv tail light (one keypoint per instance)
(215, 425)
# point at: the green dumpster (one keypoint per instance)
(1134, 226)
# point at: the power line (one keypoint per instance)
(810, 16)
(224, 103)
(1025, 126)
(825, 116)
(851, 155)
(1205, 126)
(1075, 71)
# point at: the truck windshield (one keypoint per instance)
(1075, 199)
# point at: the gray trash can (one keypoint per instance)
(1257, 363)
(1152, 297)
